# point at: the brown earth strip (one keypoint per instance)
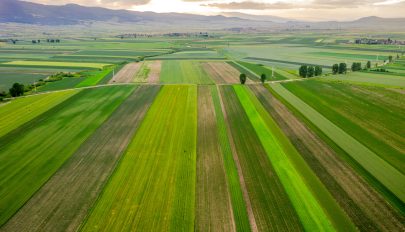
(126, 74)
(221, 72)
(64, 201)
(366, 207)
(154, 74)
(213, 205)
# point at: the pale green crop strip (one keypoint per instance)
(387, 175)
(308, 209)
(22, 110)
(56, 64)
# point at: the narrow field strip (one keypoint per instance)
(126, 73)
(387, 175)
(221, 72)
(238, 204)
(56, 64)
(31, 154)
(252, 77)
(64, 201)
(271, 206)
(154, 74)
(367, 209)
(22, 110)
(308, 209)
(94, 77)
(153, 188)
(213, 203)
(316, 208)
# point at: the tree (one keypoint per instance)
(311, 71)
(263, 78)
(335, 68)
(342, 68)
(242, 78)
(356, 66)
(303, 71)
(390, 59)
(318, 70)
(368, 65)
(17, 90)
(397, 56)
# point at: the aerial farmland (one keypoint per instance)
(216, 131)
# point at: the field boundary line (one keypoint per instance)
(248, 205)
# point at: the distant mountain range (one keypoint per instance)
(15, 11)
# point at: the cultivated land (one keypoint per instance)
(64, 201)
(174, 143)
(153, 187)
(127, 73)
(31, 154)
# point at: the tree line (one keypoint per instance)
(310, 71)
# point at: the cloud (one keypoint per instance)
(315, 4)
(116, 4)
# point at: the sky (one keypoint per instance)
(311, 10)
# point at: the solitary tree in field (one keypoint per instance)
(368, 65)
(17, 90)
(397, 56)
(318, 70)
(242, 78)
(303, 71)
(311, 71)
(263, 78)
(390, 59)
(342, 68)
(335, 68)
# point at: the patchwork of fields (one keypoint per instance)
(158, 135)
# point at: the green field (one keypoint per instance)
(260, 69)
(386, 174)
(30, 154)
(154, 186)
(177, 72)
(371, 79)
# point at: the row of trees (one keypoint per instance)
(310, 71)
(339, 68)
(242, 78)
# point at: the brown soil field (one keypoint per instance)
(126, 74)
(366, 207)
(213, 204)
(64, 201)
(154, 74)
(221, 72)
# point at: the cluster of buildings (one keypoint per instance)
(379, 41)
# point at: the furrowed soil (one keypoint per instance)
(126, 74)
(213, 204)
(221, 72)
(366, 208)
(154, 74)
(64, 201)
(271, 206)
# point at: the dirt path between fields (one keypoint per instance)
(245, 193)
(213, 204)
(154, 74)
(365, 206)
(64, 201)
(127, 73)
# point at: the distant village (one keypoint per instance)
(379, 41)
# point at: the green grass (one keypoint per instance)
(186, 72)
(8, 79)
(93, 77)
(270, 204)
(192, 55)
(65, 83)
(372, 115)
(21, 110)
(56, 64)
(153, 187)
(238, 204)
(371, 57)
(260, 69)
(307, 193)
(387, 175)
(371, 79)
(251, 75)
(32, 153)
